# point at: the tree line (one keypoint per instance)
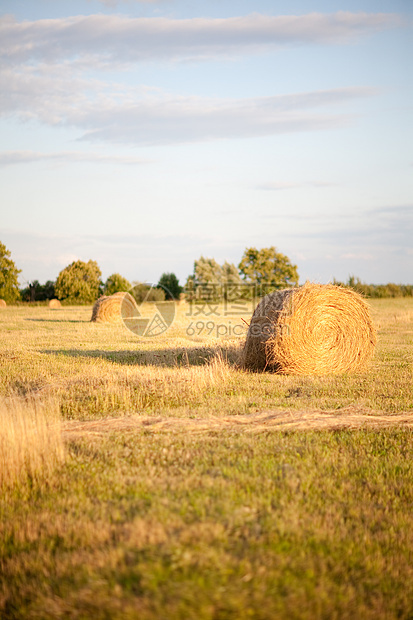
(260, 271)
(377, 290)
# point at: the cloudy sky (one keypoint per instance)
(144, 134)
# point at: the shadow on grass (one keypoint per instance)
(59, 320)
(192, 356)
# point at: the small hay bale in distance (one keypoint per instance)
(54, 304)
(315, 329)
(3, 303)
(114, 308)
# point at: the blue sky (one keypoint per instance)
(146, 134)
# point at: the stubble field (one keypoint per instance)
(151, 478)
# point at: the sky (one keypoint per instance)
(145, 134)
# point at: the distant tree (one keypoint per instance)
(170, 284)
(28, 293)
(79, 282)
(38, 292)
(377, 290)
(204, 282)
(207, 271)
(230, 274)
(233, 287)
(116, 284)
(145, 292)
(9, 286)
(268, 269)
(47, 291)
(210, 280)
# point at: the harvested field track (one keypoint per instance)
(346, 418)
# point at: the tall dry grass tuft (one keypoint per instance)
(31, 444)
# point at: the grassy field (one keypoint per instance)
(147, 478)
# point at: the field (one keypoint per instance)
(148, 477)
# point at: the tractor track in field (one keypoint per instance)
(352, 418)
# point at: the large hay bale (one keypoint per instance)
(54, 303)
(112, 308)
(2, 303)
(312, 330)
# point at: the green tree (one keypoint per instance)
(116, 284)
(230, 274)
(38, 292)
(204, 282)
(145, 292)
(207, 271)
(9, 285)
(170, 284)
(79, 282)
(268, 269)
(233, 287)
(211, 281)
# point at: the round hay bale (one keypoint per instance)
(312, 330)
(54, 303)
(2, 303)
(114, 308)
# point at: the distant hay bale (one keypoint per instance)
(2, 303)
(54, 303)
(112, 308)
(312, 330)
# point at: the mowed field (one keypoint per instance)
(149, 477)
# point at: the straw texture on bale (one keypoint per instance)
(55, 303)
(112, 308)
(312, 330)
(2, 303)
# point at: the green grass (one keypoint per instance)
(141, 525)
(215, 525)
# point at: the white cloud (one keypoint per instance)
(276, 186)
(167, 120)
(142, 116)
(358, 256)
(112, 3)
(142, 257)
(47, 68)
(116, 38)
(66, 259)
(9, 158)
(381, 227)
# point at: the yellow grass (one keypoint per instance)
(96, 370)
(30, 440)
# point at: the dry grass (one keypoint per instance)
(30, 440)
(185, 495)
(347, 418)
(314, 330)
(95, 370)
(112, 308)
